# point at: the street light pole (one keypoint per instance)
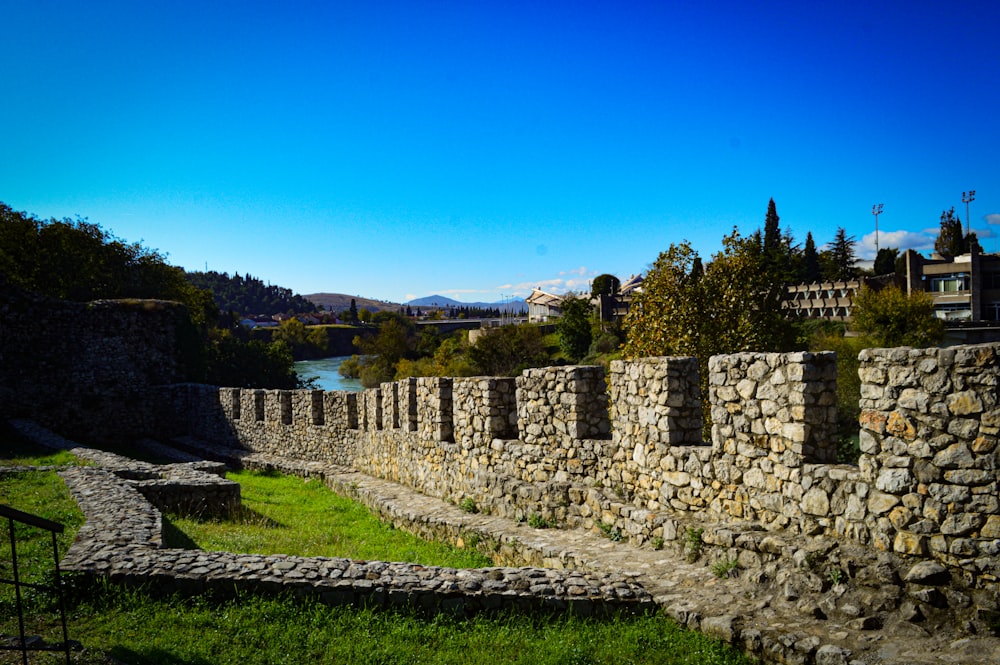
(966, 198)
(876, 210)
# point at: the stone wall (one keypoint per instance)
(624, 456)
(84, 367)
(929, 425)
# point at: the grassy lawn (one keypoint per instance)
(286, 515)
(133, 627)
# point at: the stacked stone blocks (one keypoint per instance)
(562, 402)
(929, 425)
(552, 442)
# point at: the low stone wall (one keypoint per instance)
(122, 540)
(197, 488)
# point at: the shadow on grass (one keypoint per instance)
(153, 657)
(174, 538)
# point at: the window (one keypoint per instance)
(991, 311)
(952, 283)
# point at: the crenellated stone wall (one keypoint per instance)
(624, 455)
(929, 425)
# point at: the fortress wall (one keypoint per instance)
(84, 367)
(929, 426)
(546, 444)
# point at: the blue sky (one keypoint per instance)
(472, 149)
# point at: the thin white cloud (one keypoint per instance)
(901, 240)
(992, 218)
(576, 279)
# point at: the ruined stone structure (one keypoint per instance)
(555, 444)
(620, 455)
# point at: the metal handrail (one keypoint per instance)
(14, 515)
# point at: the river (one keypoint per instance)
(325, 371)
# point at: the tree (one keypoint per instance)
(891, 317)
(604, 285)
(949, 240)
(393, 342)
(839, 258)
(810, 262)
(508, 350)
(734, 306)
(772, 232)
(885, 261)
(574, 327)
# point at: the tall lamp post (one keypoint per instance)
(966, 198)
(876, 210)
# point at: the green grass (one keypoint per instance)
(139, 628)
(14, 452)
(286, 515)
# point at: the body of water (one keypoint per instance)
(325, 371)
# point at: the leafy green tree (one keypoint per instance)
(248, 364)
(248, 295)
(885, 261)
(394, 341)
(350, 315)
(891, 317)
(574, 327)
(950, 241)
(508, 350)
(780, 255)
(839, 258)
(972, 243)
(304, 343)
(734, 306)
(449, 359)
(605, 285)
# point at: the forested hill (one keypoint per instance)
(247, 295)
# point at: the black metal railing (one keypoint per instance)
(54, 528)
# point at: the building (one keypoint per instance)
(832, 301)
(543, 306)
(964, 288)
(614, 307)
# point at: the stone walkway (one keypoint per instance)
(778, 606)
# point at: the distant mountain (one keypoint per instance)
(339, 302)
(517, 305)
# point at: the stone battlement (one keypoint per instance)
(623, 454)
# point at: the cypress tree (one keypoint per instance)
(810, 261)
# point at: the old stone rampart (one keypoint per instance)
(623, 454)
(123, 540)
(85, 367)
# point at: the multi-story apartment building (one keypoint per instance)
(965, 288)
